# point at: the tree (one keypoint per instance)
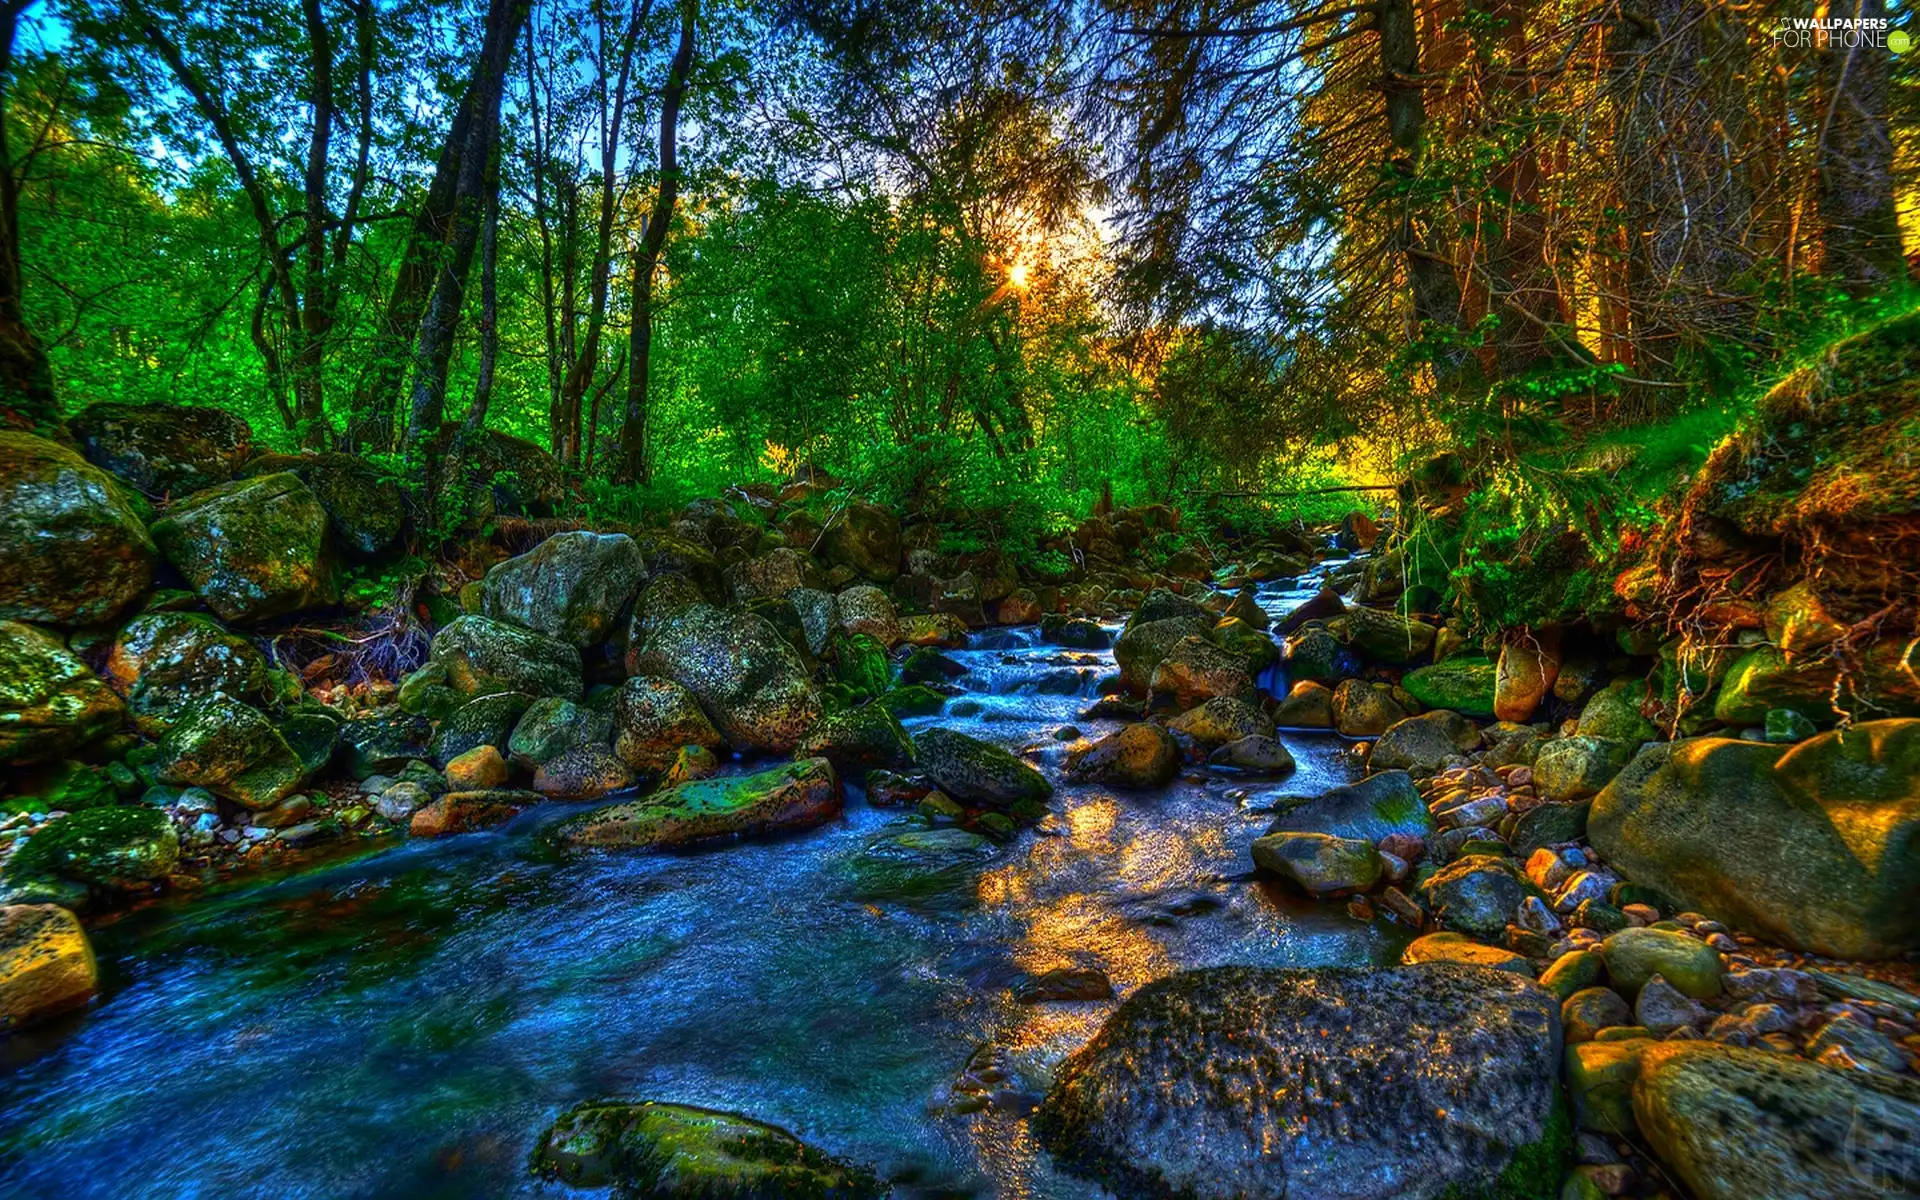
(26, 378)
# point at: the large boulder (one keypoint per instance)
(1383, 636)
(1463, 683)
(574, 586)
(858, 740)
(799, 795)
(1478, 894)
(653, 718)
(367, 511)
(232, 750)
(675, 1152)
(1142, 644)
(1882, 680)
(1314, 655)
(1576, 767)
(482, 721)
(1134, 756)
(164, 449)
(1374, 808)
(1362, 708)
(482, 656)
(866, 609)
(1734, 1124)
(163, 661)
(501, 475)
(109, 847)
(1221, 720)
(1234, 1082)
(772, 576)
(865, 537)
(977, 772)
(46, 964)
(50, 702)
(1194, 670)
(72, 549)
(1423, 744)
(253, 549)
(1815, 846)
(747, 677)
(1319, 864)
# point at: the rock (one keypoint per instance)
(1453, 948)
(1600, 1079)
(476, 770)
(1572, 972)
(1613, 713)
(1246, 608)
(934, 629)
(501, 475)
(1194, 1087)
(745, 676)
(1422, 745)
(1220, 720)
(917, 863)
(1133, 756)
(773, 575)
(1882, 681)
(425, 693)
(483, 656)
(860, 662)
(164, 661)
(233, 751)
(1549, 825)
(365, 511)
(1574, 768)
(1383, 636)
(1309, 705)
(1784, 726)
(1529, 664)
(1477, 894)
(108, 847)
(1314, 655)
(1320, 865)
(1064, 984)
(866, 609)
(797, 796)
(1635, 956)
(481, 721)
(1372, 810)
(399, 802)
(164, 449)
(50, 702)
(253, 549)
(1362, 709)
(574, 587)
(385, 743)
(977, 772)
(865, 537)
(1142, 644)
(465, 812)
(1735, 1123)
(1662, 1008)
(73, 551)
(1861, 1043)
(676, 1152)
(691, 763)
(551, 726)
(1076, 633)
(1588, 1010)
(46, 964)
(653, 719)
(819, 617)
(1325, 605)
(1257, 754)
(586, 772)
(1814, 846)
(1463, 684)
(858, 740)
(927, 665)
(1254, 649)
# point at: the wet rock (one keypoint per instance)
(482, 721)
(858, 740)
(654, 719)
(1383, 636)
(398, 802)
(109, 847)
(1735, 1124)
(1143, 644)
(1193, 1086)
(233, 751)
(1325, 605)
(1376, 808)
(1529, 664)
(917, 863)
(1134, 756)
(1318, 864)
(425, 693)
(1815, 846)
(1588, 1010)
(1220, 720)
(585, 772)
(797, 796)
(72, 549)
(1572, 972)
(1882, 680)
(1463, 684)
(1452, 947)
(1783, 726)
(385, 743)
(934, 629)
(1662, 1008)
(1577, 767)
(50, 702)
(476, 770)
(1246, 607)
(1614, 713)
(1860, 1043)
(1254, 649)
(551, 726)
(745, 676)
(574, 587)
(1362, 709)
(689, 764)
(676, 1152)
(1600, 1078)
(483, 656)
(1258, 754)
(164, 449)
(465, 812)
(252, 549)
(46, 964)
(1635, 956)
(1064, 984)
(1477, 894)
(977, 772)
(1422, 745)
(163, 661)
(930, 666)
(860, 662)
(1075, 632)
(1315, 655)
(1308, 705)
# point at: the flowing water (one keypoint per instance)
(405, 1022)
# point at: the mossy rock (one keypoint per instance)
(860, 663)
(747, 677)
(482, 721)
(46, 964)
(858, 740)
(162, 662)
(1462, 683)
(1816, 686)
(50, 702)
(164, 449)
(574, 586)
(917, 863)
(482, 656)
(653, 719)
(73, 549)
(977, 772)
(797, 796)
(914, 700)
(253, 549)
(677, 1152)
(232, 750)
(105, 847)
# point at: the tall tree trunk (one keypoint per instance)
(635, 466)
(1859, 225)
(556, 414)
(26, 378)
(316, 318)
(434, 349)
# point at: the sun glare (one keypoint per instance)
(1018, 275)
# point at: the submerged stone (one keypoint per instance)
(1375, 808)
(799, 795)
